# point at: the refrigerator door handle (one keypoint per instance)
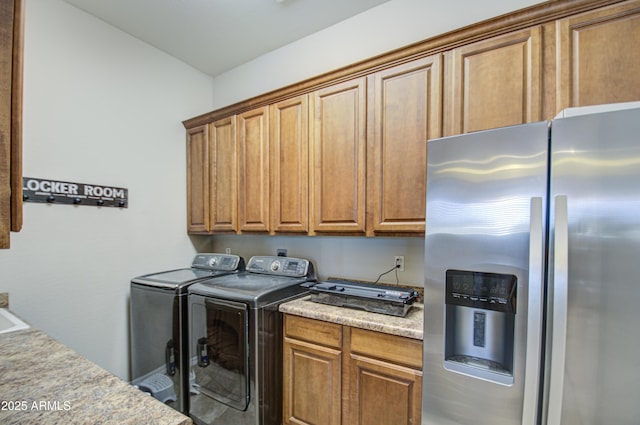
(560, 310)
(534, 313)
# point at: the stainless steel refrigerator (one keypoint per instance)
(532, 273)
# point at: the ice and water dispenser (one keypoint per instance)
(479, 324)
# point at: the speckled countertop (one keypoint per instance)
(409, 326)
(44, 382)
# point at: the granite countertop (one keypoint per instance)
(409, 326)
(44, 382)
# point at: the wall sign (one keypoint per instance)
(59, 192)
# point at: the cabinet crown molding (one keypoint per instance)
(521, 19)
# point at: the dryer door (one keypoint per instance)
(220, 336)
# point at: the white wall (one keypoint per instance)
(389, 26)
(356, 258)
(99, 107)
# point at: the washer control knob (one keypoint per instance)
(275, 266)
(212, 261)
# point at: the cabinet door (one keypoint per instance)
(289, 166)
(383, 393)
(223, 189)
(253, 170)
(383, 378)
(312, 386)
(598, 56)
(407, 112)
(198, 180)
(493, 83)
(338, 157)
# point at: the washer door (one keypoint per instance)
(219, 329)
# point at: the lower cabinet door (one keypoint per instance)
(383, 393)
(312, 384)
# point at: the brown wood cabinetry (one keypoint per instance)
(198, 179)
(494, 83)
(407, 105)
(228, 174)
(336, 374)
(338, 157)
(223, 190)
(289, 158)
(252, 129)
(11, 63)
(347, 149)
(312, 390)
(385, 379)
(598, 58)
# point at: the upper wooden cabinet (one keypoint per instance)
(494, 83)
(598, 57)
(252, 130)
(338, 157)
(198, 180)
(223, 190)
(290, 165)
(407, 105)
(346, 152)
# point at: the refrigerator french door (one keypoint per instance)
(532, 250)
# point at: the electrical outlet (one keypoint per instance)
(399, 262)
(228, 251)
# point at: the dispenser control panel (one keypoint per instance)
(489, 291)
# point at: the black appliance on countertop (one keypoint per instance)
(391, 300)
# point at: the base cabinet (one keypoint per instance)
(336, 374)
(312, 390)
(383, 393)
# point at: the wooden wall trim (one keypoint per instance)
(524, 18)
(6, 41)
(16, 116)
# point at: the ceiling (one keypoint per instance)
(215, 36)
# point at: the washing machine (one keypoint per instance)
(235, 346)
(159, 330)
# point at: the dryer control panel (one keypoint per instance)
(280, 266)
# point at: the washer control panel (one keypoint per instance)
(281, 266)
(226, 262)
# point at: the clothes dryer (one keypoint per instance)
(236, 341)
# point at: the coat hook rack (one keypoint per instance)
(81, 194)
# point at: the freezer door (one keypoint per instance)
(486, 197)
(593, 371)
